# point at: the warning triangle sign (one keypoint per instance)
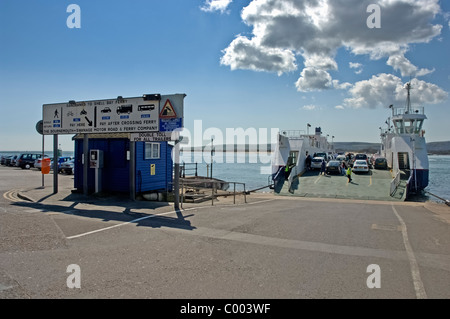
(168, 111)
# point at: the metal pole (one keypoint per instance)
(55, 164)
(132, 170)
(85, 164)
(212, 194)
(42, 159)
(182, 193)
(245, 195)
(176, 185)
(212, 152)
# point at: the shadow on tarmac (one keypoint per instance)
(114, 209)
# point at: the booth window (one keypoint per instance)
(152, 151)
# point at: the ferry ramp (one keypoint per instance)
(374, 185)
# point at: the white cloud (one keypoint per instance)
(310, 107)
(312, 79)
(357, 66)
(341, 86)
(248, 54)
(216, 5)
(317, 29)
(339, 107)
(406, 68)
(386, 89)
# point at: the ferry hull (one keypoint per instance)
(418, 181)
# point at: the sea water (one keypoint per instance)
(254, 170)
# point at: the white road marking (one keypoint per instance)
(150, 216)
(418, 284)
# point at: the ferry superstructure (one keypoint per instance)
(292, 149)
(404, 145)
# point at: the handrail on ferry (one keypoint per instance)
(395, 183)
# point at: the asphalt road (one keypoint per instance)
(272, 247)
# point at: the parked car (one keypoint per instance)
(362, 157)
(26, 161)
(333, 167)
(316, 163)
(361, 166)
(62, 160)
(68, 167)
(14, 160)
(341, 158)
(10, 161)
(324, 155)
(380, 163)
(38, 162)
(3, 159)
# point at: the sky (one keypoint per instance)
(262, 64)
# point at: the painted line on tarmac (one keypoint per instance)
(154, 216)
(12, 196)
(318, 179)
(418, 284)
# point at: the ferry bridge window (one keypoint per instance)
(418, 126)
(408, 127)
(399, 127)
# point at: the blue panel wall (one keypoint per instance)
(116, 170)
(162, 180)
(116, 167)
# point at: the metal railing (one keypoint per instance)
(215, 191)
(188, 167)
(413, 110)
(394, 184)
(293, 133)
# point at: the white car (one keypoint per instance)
(341, 158)
(38, 162)
(360, 166)
(316, 162)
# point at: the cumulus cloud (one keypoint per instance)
(406, 68)
(310, 107)
(386, 89)
(357, 66)
(312, 79)
(317, 29)
(249, 54)
(216, 5)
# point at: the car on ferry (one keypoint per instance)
(362, 157)
(380, 163)
(361, 166)
(323, 155)
(316, 163)
(341, 158)
(333, 167)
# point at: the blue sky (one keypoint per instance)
(248, 64)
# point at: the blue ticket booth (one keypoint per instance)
(144, 167)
